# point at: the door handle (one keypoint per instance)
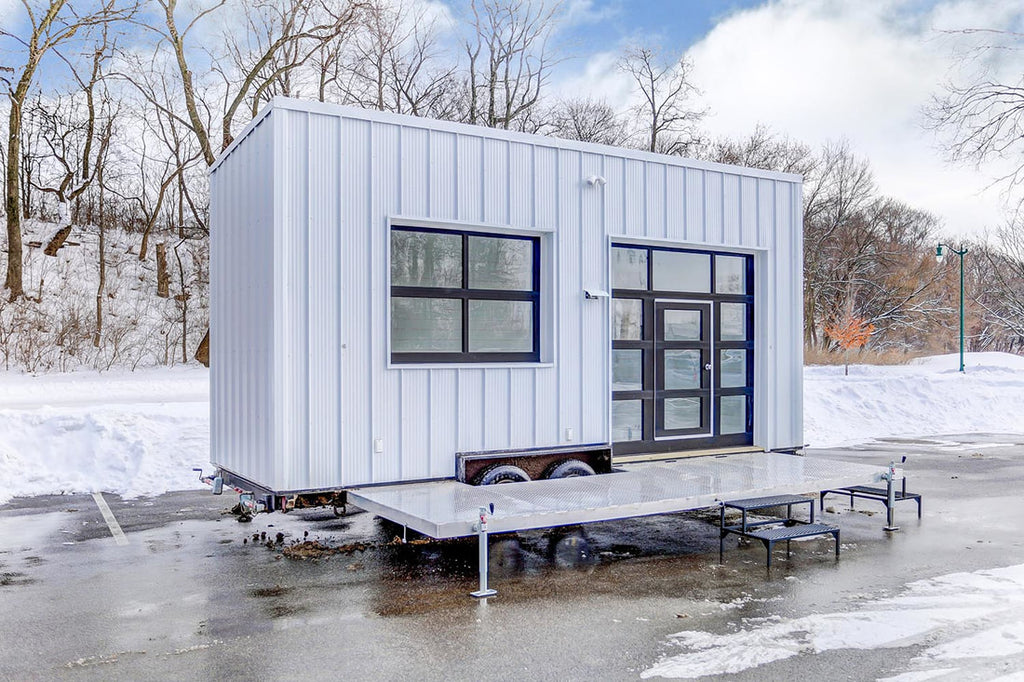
(708, 366)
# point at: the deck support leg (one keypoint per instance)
(481, 529)
(721, 534)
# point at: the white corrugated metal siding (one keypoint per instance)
(242, 391)
(301, 209)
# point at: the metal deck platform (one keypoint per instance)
(449, 509)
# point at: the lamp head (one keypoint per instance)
(940, 252)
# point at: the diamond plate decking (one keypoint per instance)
(448, 509)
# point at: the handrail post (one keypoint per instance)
(890, 495)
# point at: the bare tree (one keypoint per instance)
(174, 37)
(865, 256)
(32, 153)
(586, 120)
(834, 197)
(69, 130)
(157, 169)
(101, 224)
(277, 36)
(669, 121)
(509, 59)
(51, 25)
(1001, 297)
(891, 271)
(394, 63)
(984, 114)
(281, 36)
(763, 149)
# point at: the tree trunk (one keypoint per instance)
(103, 272)
(53, 246)
(13, 281)
(203, 352)
(144, 246)
(163, 277)
(186, 81)
(183, 297)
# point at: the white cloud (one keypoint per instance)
(856, 71)
(600, 79)
(433, 12)
(584, 12)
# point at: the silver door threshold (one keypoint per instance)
(449, 509)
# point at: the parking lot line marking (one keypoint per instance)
(108, 516)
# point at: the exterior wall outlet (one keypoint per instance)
(569, 435)
(378, 445)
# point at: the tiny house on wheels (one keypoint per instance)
(397, 299)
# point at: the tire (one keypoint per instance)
(502, 473)
(568, 468)
(570, 549)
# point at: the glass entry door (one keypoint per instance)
(683, 377)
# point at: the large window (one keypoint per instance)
(464, 296)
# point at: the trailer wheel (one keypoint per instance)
(568, 468)
(502, 473)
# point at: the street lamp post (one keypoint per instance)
(940, 252)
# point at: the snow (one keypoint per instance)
(965, 618)
(135, 434)
(141, 433)
(928, 397)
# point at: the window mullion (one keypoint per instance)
(465, 293)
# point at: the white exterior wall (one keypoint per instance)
(301, 210)
(242, 325)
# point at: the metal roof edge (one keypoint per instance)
(345, 111)
(250, 126)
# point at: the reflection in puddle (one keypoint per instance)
(28, 531)
(570, 549)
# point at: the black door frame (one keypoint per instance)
(650, 443)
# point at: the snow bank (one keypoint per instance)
(927, 397)
(132, 433)
(968, 620)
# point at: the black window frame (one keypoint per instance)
(465, 294)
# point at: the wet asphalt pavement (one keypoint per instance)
(196, 595)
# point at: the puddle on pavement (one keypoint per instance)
(24, 532)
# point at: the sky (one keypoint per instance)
(816, 71)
